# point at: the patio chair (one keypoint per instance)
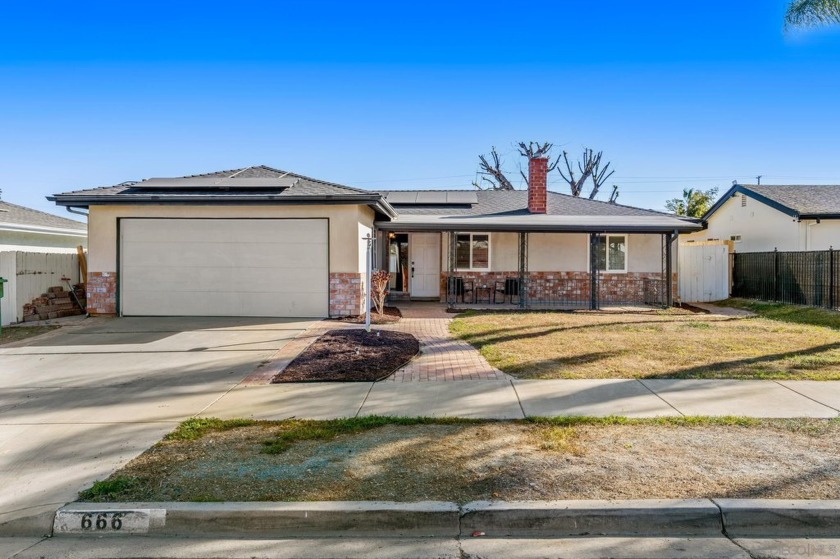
(509, 287)
(459, 287)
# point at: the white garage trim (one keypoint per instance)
(223, 267)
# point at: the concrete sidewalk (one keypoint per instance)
(516, 399)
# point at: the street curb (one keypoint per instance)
(744, 518)
(545, 519)
(324, 519)
(655, 517)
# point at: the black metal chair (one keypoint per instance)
(509, 288)
(459, 287)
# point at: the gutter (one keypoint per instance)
(533, 228)
(375, 201)
(42, 230)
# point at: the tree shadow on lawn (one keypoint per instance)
(478, 338)
(732, 369)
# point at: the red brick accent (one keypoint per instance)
(102, 293)
(575, 286)
(537, 184)
(347, 294)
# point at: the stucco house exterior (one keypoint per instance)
(761, 218)
(260, 241)
(27, 230)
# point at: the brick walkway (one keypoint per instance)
(442, 357)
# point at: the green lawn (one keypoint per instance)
(780, 343)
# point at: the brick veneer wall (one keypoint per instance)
(102, 293)
(347, 294)
(575, 286)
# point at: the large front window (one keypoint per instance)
(472, 251)
(611, 253)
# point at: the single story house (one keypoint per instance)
(263, 242)
(761, 218)
(26, 230)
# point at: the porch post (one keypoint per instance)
(523, 269)
(451, 292)
(593, 271)
(669, 284)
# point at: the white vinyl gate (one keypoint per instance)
(703, 272)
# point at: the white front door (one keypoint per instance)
(424, 253)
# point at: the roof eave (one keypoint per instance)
(539, 228)
(736, 189)
(42, 229)
(115, 199)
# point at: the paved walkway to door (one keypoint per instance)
(442, 356)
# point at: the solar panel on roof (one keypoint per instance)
(205, 183)
(462, 197)
(431, 197)
(401, 197)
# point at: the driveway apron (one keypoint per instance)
(80, 402)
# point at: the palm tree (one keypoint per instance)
(694, 203)
(803, 13)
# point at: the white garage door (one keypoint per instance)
(224, 267)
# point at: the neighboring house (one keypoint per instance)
(37, 250)
(759, 218)
(263, 242)
(27, 230)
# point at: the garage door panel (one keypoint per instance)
(265, 255)
(234, 304)
(240, 267)
(221, 280)
(223, 230)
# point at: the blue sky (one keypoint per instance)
(399, 95)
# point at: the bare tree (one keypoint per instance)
(533, 150)
(589, 167)
(492, 174)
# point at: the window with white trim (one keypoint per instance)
(611, 253)
(472, 251)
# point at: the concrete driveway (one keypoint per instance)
(78, 403)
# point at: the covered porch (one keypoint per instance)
(607, 281)
(532, 269)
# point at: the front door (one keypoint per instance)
(424, 251)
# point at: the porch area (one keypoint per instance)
(535, 270)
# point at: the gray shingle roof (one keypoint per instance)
(515, 202)
(806, 199)
(508, 210)
(305, 186)
(12, 214)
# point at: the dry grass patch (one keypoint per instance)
(17, 333)
(414, 459)
(666, 344)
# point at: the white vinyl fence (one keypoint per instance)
(30, 274)
(703, 272)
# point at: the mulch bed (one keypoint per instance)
(389, 316)
(351, 356)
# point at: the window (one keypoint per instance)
(611, 253)
(472, 251)
(743, 200)
(736, 238)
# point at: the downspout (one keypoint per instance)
(808, 234)
(72, 211)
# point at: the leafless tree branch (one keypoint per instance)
(492, 172)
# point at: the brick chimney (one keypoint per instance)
(537, 184)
